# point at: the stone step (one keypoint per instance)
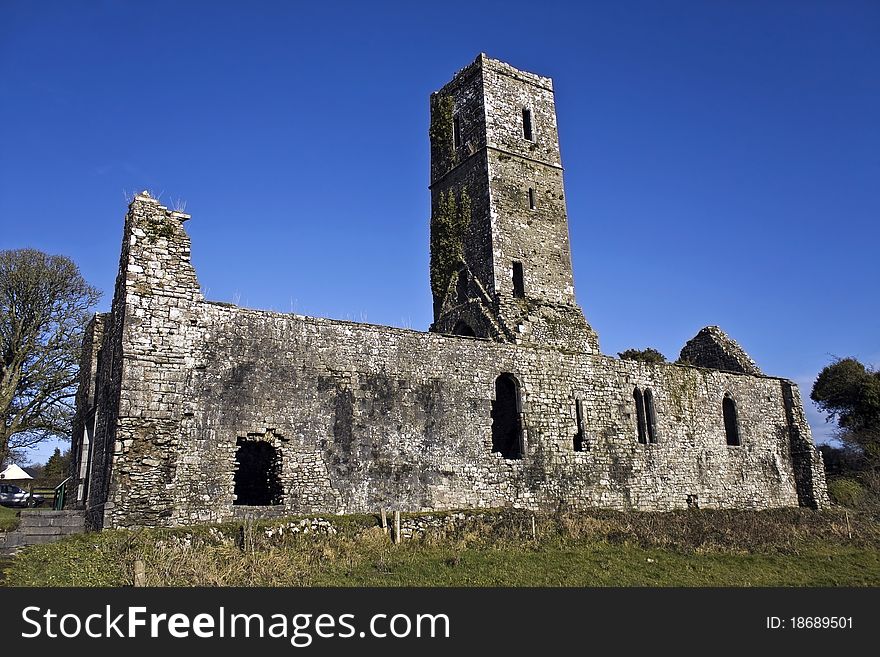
(43, 531)
(30, 518)
(41, 539)
(73, 523)
(49, 513)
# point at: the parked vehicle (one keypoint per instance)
(11, 495)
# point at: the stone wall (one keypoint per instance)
(366, 416)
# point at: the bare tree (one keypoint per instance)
(44, 307)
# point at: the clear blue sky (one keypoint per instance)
(722, 158)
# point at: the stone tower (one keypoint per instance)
(500, 255)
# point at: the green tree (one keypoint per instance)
(648, 355)
(849, 393)
(44, 307)
(57, 468)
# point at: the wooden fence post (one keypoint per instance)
(140, 574)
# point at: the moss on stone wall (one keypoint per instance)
(448, 224)
(441, 130)
(681, 388)
(155, 228)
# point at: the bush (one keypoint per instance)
(648, 355)
(846, 492)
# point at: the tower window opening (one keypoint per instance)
(519, 288)
(527, 124)
(506, 423)
(532, 202)
(456, 132)
(257, 473)
(731, 423)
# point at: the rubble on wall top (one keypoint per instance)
(714, 349)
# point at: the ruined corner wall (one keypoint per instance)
(141, 368)
(84, 405)
(713, 348)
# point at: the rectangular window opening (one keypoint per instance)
(519, 290)
(527, 124)
(532, 202)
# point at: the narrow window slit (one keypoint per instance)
(650, 416)
(461, 287)
(731, 422)
(580, 438)
(527, 124)
(640, 416)
(519, 288)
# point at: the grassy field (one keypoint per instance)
(790, 547)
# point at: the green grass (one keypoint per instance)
(605, 564)
(8, 518)
(776, 548)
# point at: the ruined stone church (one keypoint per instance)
(191, 410)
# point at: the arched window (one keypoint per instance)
(731, 424)
(640, 415)
(257, 473)
(506, 424)
(463, 328)
(650, 416)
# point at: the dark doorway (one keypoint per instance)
(731, 425)
(257, 473)
(462, 328)
(506, 424)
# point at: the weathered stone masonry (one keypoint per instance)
(181, 395)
